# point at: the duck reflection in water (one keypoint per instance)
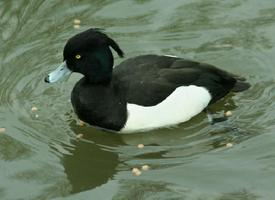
(90, 165)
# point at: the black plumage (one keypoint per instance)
(100, 98)
(149, 79)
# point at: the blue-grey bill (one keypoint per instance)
(60, 72)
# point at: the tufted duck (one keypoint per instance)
(141, 93)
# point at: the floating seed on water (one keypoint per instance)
(34, 109)
(80, 123)
(145, 167)
(228, 113)
(76, 26)
(79, 136)
(136, 172)
(77, 21)
(140, 146)
(229, 145)
(2, 130)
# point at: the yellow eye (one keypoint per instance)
(78, 56)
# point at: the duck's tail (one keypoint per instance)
(241, 84)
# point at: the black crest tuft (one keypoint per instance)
(109, 41)
(115, 46)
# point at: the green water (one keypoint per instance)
(40, 157)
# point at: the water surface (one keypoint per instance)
(40, 156)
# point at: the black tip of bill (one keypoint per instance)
(47, 79)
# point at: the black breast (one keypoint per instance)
(100, 105)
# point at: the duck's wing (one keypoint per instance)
(149, 79)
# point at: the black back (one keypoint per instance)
(149, 79)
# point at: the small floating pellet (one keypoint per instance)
(136, 172)
(2, 130)
(228, 113)
(145, 167)
(140, 146)
(80, 123)
(34, 109)
(77, 21)
(229, 145)
(79, 136)
(76, 26)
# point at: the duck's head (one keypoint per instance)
(87, 53)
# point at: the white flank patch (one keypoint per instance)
(184, 103)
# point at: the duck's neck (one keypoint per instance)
(102, 67)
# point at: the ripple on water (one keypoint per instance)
(41, 157)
